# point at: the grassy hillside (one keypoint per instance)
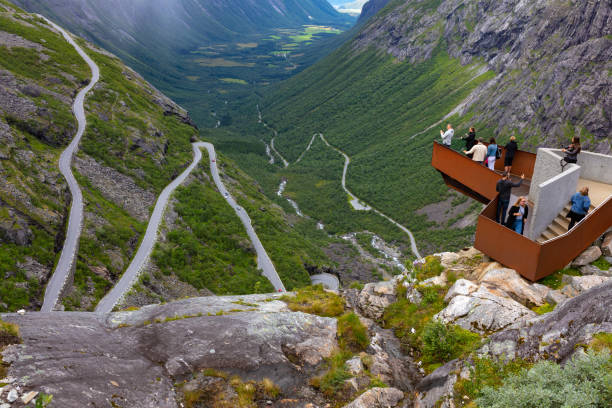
(376, 110)
(137, 141)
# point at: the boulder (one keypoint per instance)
(507, 282)
(378, 398)
(606, 245)
(583, 283)
(448, 259)
(557, 334)
(555, 297)
(591, 254)
(354, 365)
(437, 385)
(593, 270)
(462, 287)
(375, 297)
(483, 311)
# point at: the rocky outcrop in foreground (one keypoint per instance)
(134, 358)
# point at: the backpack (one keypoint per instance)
(498, 154)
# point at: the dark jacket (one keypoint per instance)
(571, 154)
(511, 148)
(470, 140)
(504, 188)
(511, 217)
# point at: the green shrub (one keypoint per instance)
(9, 333)
(485, 372)
(332, 381)
(545, 308)
(432, 267)
(601, 341)
(352, 334)
(603, 264)
(555, 281)
(408, 320)
(585, 381)
(443, 343)
(315, 300)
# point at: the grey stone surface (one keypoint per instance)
(437, 385)
(593, 270)
(354, 365)
(461, 287)
(378, 398)
(583, 283)
(483, 312)
(556, 334)
(375, 297)
(606, 245)
(77, 356)
(591, 254)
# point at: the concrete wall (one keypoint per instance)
(551, 197)
(546, 167)
(596, 167)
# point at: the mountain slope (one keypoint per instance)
(195, 50)
(136, 141)
(537, 70)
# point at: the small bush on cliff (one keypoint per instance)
(484, 372)
(584, 382)
(443, 343)
(432, 267)
(408, 319)
(352, 334)
(315, 300)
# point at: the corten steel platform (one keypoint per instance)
(533, 260)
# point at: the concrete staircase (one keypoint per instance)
(559, 225)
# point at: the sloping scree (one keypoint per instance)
(85, 359)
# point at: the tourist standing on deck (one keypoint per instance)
(580, 207)
(492, 153)
(447, 137)
(518, 216)
(504, 188)
(511, 148)
(478, 152)
(470, 140)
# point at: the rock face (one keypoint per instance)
(483, 311)
(591, 254)
(134, 358)
(378, 398)
(551, 56)
(375, 297)
(556, 334)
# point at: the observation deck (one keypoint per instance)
(550, 190)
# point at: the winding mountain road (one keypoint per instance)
(130, 275)
(75, 221)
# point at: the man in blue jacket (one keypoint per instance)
(580, 207)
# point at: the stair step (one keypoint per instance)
(556, 229)
(561, 223)
(548, 235)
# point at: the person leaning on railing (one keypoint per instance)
(511, 148)
(571, 153)
(580, 207)
(492, 153)
(478, 152)
(470, 140)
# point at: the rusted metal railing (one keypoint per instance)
(533, 260)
